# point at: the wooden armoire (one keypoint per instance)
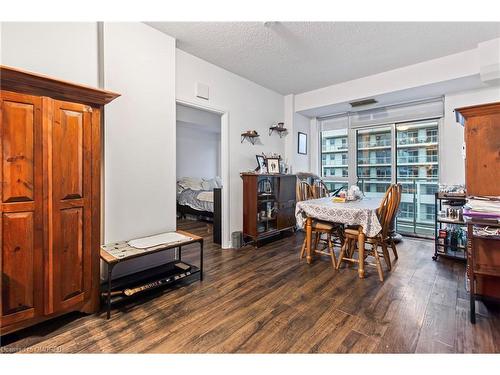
(50, 151)
(482, 178)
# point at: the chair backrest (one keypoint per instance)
(320, 190)
(304, 191)
(388, 208)
(399, 191)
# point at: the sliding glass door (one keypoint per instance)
(417, 164)
(406, 153)
(374, 160)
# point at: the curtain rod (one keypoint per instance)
(399, 104)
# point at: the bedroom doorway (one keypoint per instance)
(200, 161)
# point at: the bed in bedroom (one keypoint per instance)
(201, 198)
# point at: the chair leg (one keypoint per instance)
(303, 250)
(342, 253)
(377, 262)
(386, 255)
(332, 252)
(351, 248)
(393, 246)
(316, 241)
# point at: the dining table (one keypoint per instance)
(360, 213)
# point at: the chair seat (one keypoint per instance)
(354, 233)
(323, 225)
(351, 231)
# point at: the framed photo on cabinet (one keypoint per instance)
(273, 165)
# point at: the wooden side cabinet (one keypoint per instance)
(482, 176)
(50, 150)
(268, 204)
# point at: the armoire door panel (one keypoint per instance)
(17, 262)
(70, 253)
(17, 137)
(21, 216)
(71, 204)
(68, 151)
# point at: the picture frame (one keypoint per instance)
(261, 164)
(302, 143)
(273, 165)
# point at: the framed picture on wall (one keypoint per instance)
(302, 143)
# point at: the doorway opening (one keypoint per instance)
(201, 170)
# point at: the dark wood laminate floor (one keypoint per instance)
(268, 301)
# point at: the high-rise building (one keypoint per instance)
(334, 156)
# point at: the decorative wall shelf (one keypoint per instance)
(279, 129)
(250, 136)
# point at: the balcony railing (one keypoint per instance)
(370, 144)
(335, 164)
(333, 148)
(418, 159)
(372, 160)
(417, 140)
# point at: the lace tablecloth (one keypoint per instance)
(361, 212)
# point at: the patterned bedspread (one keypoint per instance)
(189, 198)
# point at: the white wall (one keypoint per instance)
(249, 106)
(63, 50)
(295, 123)
(139, 63)
(301, 162)
(198, 151)
(452, 170)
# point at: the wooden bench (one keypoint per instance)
(166, 274)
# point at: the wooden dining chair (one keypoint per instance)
(319, 228)
(390, 240)
(304, 191)
(385, 213)
(320, 190)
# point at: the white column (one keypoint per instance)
(289, 138)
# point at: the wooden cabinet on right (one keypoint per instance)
(482, 147)
(482, 178)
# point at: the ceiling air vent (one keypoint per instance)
(363, 102)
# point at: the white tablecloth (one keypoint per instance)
(361, 212)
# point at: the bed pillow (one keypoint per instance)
(212, 183)
(192, 183)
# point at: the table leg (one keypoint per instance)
(179, 253)
(361, 253)
(108, 307)
(308, 240)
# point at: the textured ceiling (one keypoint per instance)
(293, 57)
